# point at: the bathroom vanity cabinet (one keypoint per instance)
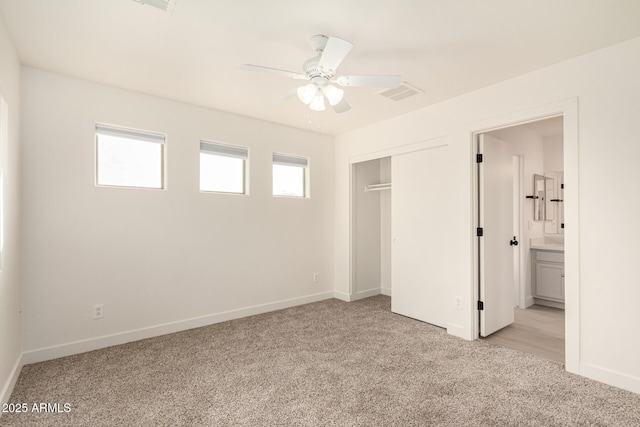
(548, 277)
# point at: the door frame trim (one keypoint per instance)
(569, 110)
(519, 226)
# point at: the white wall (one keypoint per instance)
(553, 154)
(608, 91)
(10, 292)
(366, 236)
(159, 260)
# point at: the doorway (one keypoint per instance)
(534, 320)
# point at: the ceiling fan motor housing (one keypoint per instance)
(311, 66)
(313, 71)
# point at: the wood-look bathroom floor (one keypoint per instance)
(537, 330)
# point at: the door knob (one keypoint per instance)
(514, 241)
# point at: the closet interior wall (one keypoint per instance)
(371, 246)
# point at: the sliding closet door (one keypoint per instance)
(419, 227)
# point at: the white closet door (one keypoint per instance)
(420, 231)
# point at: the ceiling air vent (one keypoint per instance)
(165, 5)
(403, 91)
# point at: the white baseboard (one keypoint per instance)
(7, 389)
(54, 352)
(608, 376)
(342, 296)
(529, 301)
(548, 303)
(385, 291)
(365, 294)
(458, 331)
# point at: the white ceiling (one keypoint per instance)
(446, 48)
(548, 127)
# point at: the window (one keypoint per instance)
(129, 158)
(289, 175)
(222, 167)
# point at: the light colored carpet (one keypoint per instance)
(322, 364)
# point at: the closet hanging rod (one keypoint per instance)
(377, 187)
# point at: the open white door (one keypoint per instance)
(496, 220)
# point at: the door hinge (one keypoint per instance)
(479, 158)
(480, 305)
(479, 232)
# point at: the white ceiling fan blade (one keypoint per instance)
(284, 97)
(341, 106)
(334, 53)
(285, 73)
(370, 81)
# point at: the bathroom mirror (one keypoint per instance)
(554, 201)
(538, 197)
(549, 198)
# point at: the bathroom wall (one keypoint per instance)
(553, 150)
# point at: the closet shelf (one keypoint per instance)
(377, 187)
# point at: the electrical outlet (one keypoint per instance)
(316, 277)
(98, 311)
(458, 303)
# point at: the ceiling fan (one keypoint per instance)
(320, 71)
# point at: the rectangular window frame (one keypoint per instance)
(297, 161)
(227, 150)
(137, 134)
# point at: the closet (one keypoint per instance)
(400, 232)
(371, 228)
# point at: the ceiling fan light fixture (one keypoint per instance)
(319, 71)
(334, 95)
(307, 92)
(317, 104)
